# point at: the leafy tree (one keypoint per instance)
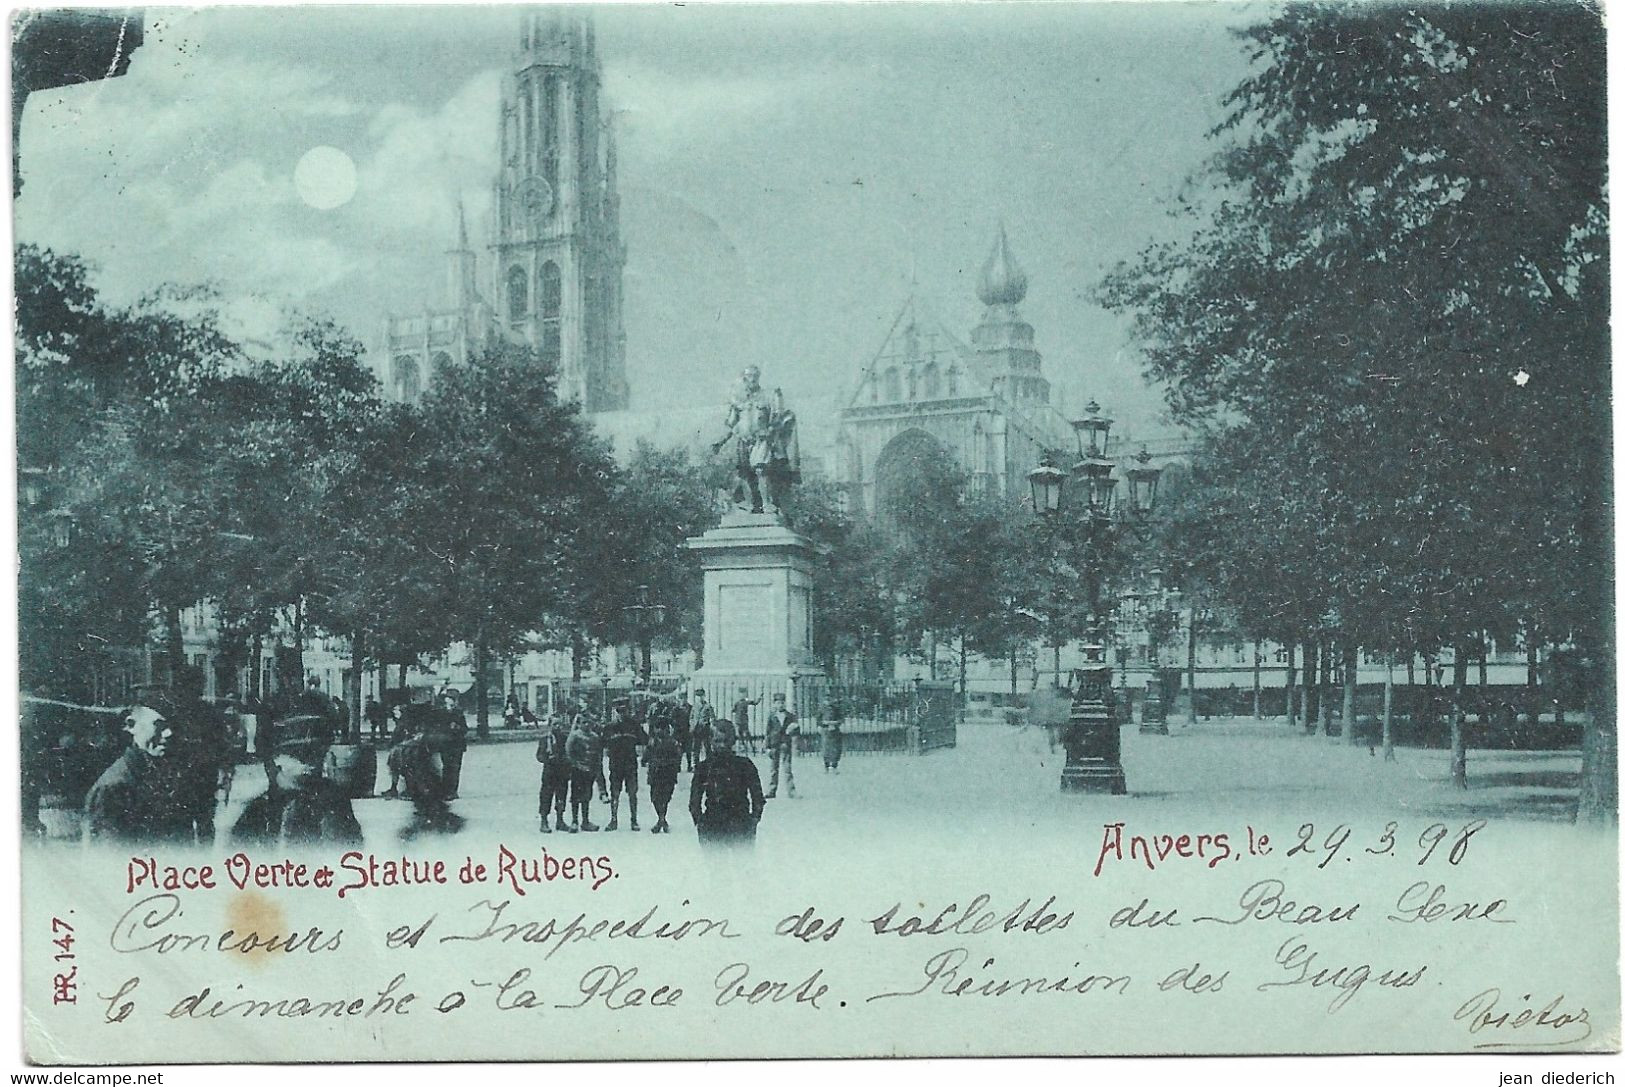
(660, 500)
(499, 503)
(851, 586)
(1390, 311)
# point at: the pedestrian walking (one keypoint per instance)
(555, 791)
(254, 725)
(782, 730)
(377, 719)
(416, 773)
(622, 738)
(741, 718)
(700, 726)
(299, 804)
(725, 798)
(585, 751)
(312, 702)
(201, 751)
(400, 732)
(664, 758)
(452, 738)
(682, 719)
(832, 720)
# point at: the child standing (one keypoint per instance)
(832, 718)
(663, 757)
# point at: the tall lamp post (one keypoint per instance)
(644, 618)
(1093, 741)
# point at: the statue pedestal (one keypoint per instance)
(758, 608)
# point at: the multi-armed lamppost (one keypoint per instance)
(1093, 745)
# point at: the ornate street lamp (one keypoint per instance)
(1093, 740)
(1095, 473)
(1047, 482)
(1142, 483)
(1094, 432)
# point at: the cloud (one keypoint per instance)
(666, 114)
(177, 171)
(423, 161)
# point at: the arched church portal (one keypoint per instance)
(407, 378)
(899, 469)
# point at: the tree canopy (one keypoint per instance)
(1388, 315)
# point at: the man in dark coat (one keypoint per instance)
(555, 791)
(139, 798)
(782, 730)
(312, 702)
(622, 739)
(201, 752)
(299, 804)
(376, 718)
(725, 798)
(664, 758)
(741, 718)
(585, 751)
(701, 722)
(451, 740)
(682, 715)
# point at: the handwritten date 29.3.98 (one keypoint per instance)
(1437, 843)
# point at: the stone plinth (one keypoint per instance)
(758, 600)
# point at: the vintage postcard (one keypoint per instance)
(749, 531)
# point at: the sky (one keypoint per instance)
(788, 175)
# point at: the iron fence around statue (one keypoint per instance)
(886, 718)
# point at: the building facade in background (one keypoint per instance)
(928, 397)
(551, 273)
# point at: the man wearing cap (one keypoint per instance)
(725, 798)
(664, 758)
(555, 791)
(682, 718)
(585, 751)
(300, 804)
(622, 738)
(782, 730)
(138, 798)
(741, 717)
(450, 741)
(699, 733)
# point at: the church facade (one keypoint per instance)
(928, 396)
(551, 273)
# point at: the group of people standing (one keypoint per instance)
(180, 759)
(582, 755)
(427, 743)
(176, 769)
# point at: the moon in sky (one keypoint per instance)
(325, 178)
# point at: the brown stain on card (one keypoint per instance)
(250, 913)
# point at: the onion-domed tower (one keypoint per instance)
(1003, 342)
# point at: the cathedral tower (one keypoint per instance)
(556, 245)
(1003, 341)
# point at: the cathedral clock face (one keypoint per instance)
(535, 196)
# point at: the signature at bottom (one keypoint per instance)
(1484, 1012)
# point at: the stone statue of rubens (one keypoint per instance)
(767, 454)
